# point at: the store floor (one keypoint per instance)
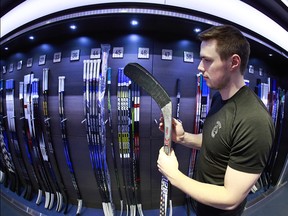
(275, 204)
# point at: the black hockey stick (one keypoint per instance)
(13, 180)
(130, 159)
(145, 80)
(109, 80)
(4, 171)
(178, 97)
(46, 169)
(28, 143)
(30, 98)
(10, 111)
(279, 131)
(66, 142)
(61, 196)
(136, 146)
(121, 135)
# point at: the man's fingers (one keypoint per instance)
(176, 122)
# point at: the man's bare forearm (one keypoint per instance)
(190, 140)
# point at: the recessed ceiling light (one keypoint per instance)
(197, 30)
(31, 37)
(134, 22)
(73, 27)
(6, 48)
(270, 54)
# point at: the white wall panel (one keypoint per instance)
(233, 10)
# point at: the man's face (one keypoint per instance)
(214, 70)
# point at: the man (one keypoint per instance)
(237, 134)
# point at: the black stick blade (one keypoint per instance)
(143, 78)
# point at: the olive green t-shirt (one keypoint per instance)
(237, 133)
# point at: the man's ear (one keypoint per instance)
(235, 62)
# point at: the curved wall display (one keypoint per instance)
(164, 42)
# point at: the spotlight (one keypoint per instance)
(134, 22)
(197, 30)
(73, 27)
(31, 37)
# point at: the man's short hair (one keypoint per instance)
(230, 41)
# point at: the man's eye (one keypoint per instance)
(206, 60)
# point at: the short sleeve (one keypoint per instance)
(251, 144)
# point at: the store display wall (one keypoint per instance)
(151, 139)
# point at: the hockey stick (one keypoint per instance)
(52, 157)
(29, 97)
(28, 143)
(279, 132)
(136, 147)
(131, 162)
(91, 90)
(100, 125)
(121, 137)
(9, 166)
(134, 142)
(4, 144)
(109, 80)
(178, 96)
(47, 172)
(145, 80)
(273, 109)
(23, 174)
(66, 142)
(202, 108)
(101, 116)
(194, 152)
(127, 112)
(4, 171)
(128, 122)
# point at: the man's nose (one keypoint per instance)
(200, 67)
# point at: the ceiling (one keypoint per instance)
(275, 9)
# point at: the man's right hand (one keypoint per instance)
(177, 129)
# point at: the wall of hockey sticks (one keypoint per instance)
(73, 135)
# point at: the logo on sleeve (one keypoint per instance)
(215, 129)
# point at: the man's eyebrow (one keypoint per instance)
(204, 56)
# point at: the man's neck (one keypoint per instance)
(231, 89)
